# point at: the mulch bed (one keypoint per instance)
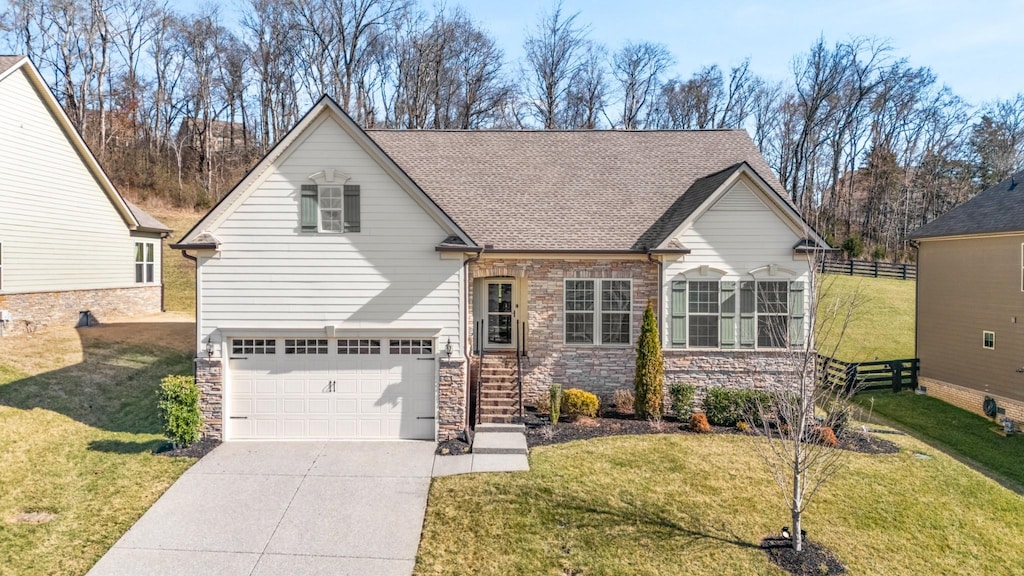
(539, 431)
(454, 447)
(197, 450)
(813, 560)
(857, 441)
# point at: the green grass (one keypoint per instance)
(78, 420)
(953, 430)
(654, 505)
(179, 272)
(882, 325)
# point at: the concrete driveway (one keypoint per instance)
(269, 508)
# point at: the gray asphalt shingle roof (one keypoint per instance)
(997, 209)
(570, 190)
(146, 221)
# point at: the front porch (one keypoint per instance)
(517, 328)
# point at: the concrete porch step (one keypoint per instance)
(499, 442)
(511, 428)
(499, 419)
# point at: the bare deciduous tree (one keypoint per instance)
(553, 51)
(793, 413)
(638, 67)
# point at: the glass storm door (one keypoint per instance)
(499, 315)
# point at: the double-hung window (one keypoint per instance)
(145, 262)
(330, 208)
(772, 314)
(704, 314)
(598, 311)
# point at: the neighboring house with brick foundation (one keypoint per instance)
(68, 241)
(970, 302)
(350, 284)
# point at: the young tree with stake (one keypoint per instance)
(793, 415)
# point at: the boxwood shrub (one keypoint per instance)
(727, 406)
(576, 402)
(682, 398)
(179, 409)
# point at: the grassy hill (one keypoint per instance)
(882, 323)
(179, 272)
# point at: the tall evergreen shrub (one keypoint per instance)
(650, 369)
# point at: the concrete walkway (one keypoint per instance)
(275, 508)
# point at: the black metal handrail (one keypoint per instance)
(520, 350)
(478, 338)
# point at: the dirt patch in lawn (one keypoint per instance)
(539, 431)
(813, 560)
(32, 517)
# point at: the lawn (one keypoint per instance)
(77, 423)
(953, 430)
(179, 272)
(686, 504)
(881, 326)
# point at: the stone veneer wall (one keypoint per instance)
(210, 380)
(600, 369)
(730, 369)
(451, 398)
(971, 400)
(33, 310)
(604, 369)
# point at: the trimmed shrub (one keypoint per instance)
(623, 401)
(179, 409)
(576, 402)
(555, 399)
(726, 407)
(825, 436)
(649, 381)
(699, 423)
(682, 398)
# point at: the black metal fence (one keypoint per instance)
(870, 268)
(892, 375)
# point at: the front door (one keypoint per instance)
(500, 310)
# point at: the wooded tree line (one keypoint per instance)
(181, 104)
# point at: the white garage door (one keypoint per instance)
(331, 388)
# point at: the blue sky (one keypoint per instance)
(975, 47)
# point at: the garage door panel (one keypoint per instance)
(367, 392)
(265, 406)
(265, 428)
(266, 386)
(294, 428)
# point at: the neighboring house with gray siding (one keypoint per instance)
(970, 302)
(353, 282)
(68, 241)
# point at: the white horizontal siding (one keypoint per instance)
(271, 276)
(738, 234)
(59, 229)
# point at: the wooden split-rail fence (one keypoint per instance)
(869, 268)
(858, 377)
